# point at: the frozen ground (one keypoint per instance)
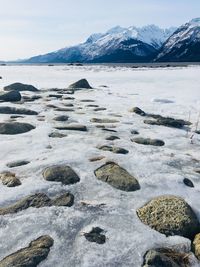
(160, 170)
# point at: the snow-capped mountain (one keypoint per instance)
(183, 45)
(119, 44)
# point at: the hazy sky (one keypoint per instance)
(32, 27)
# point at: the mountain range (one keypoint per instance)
(146, 44)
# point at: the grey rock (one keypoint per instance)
(114, 149)
(61, 118)
(17, 163)
(30, 256)
(20, 87)
(73, 127)
(95, 235)
(170, 215)
(138, 111)
(188, 182)
(112, 138)
(117, 177)
(13, 110)
(12, 96)
(148, 141)
(11, 128)
(61, 173)
(81, 84)
(57, 135)
(97, 120)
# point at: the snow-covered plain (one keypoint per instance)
(160, 170)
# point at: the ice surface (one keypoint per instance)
(159, 170)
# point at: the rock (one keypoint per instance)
(81, 84)
(12, 110)
(57, 135)
(17, 163)
(99, 109)
(112, 138)
(9, 179)
(95, 235)
(20, 87)
(138, 111)
(109, 130)
(134, 132)
(96, 120)
(61, 173)
(68, 104)
(164, 257)
(117, 177)
(66, 199)
(12, 96)
(87, 101)
(114, 149)
(196, 246)
(96, 158)
(38, 200)
(188, 182)
(31, 98)
(197, 131)
(92, 106)
(148, 141)
(169, 122)
(11, 128)
(30, 256)
(55, 95)
(61, 118)
(73, 127)
(170, 215)
(64, 109)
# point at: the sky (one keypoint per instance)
(33, 27)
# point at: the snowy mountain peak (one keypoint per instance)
(195, 22)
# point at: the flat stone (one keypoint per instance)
(93, 159)
(30, 256)
(148, 141)
(38, 200)
(57, 135)
(117, 177)
(17, 163)
(20, 87)
(61, 118)
(188, 182)
(73, 127)
(11, 128)
(12, 110)
(170, 215)
(61, 173)
(97, 120)
(99, 109)
(112, 138)
(114, 149)
(12, 96)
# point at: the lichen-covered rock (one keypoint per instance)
(61, 173)
(164, 257)
(13, 110)
(11, 128)
(9, 179)
(170, 215)
(20, 87)
(117, 177)
(114, 149)
(148, 141)
(196, 246)
(12, 96)
(38, 200)
(81, 84)
(30, 256)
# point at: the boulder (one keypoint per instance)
(12, 96)
(9, 179)
(148, 141)
(170, 215)
(20, 87)
(61, 173)
(165, 257)
(30, 256)
(117, 177)
(81, 84)
(11, 128)
(13, 110)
